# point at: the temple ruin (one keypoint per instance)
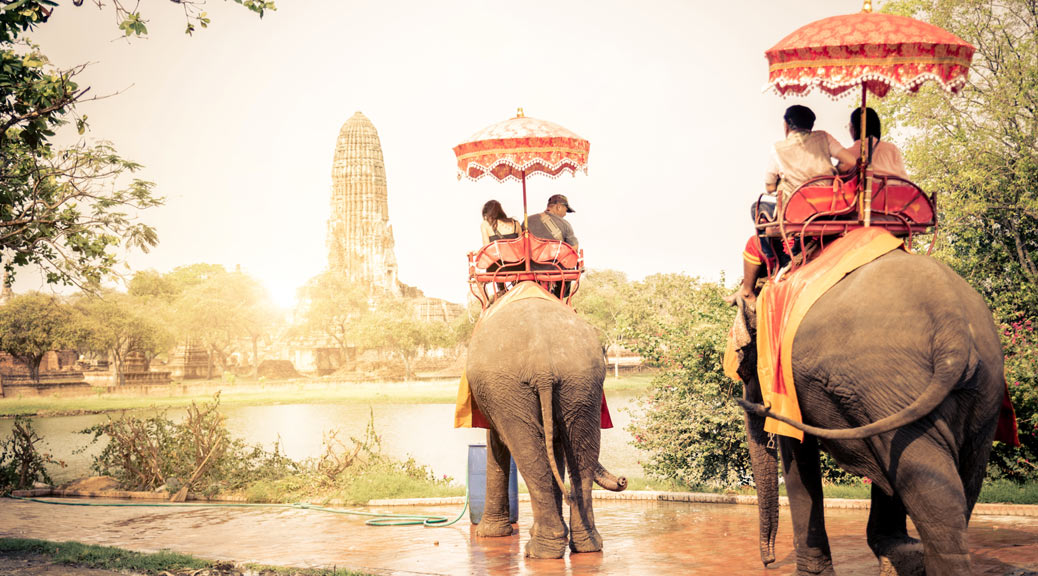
(360, 238)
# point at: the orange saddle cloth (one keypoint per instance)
(466, 413)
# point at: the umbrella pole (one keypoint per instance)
(526, 227)
(864, 174)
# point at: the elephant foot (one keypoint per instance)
(900, 557)
(493, 528)
(546, 548)
(585, 541)
(817, 563)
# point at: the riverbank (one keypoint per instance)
(266, 393)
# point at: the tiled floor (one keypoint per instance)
(652, 538)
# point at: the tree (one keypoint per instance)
(603, 301)
(218, 307)
(690, 427)
(977, 151)
(116, 324)
(65, 210)
(393, 325)
(333, 306)
(33, 324)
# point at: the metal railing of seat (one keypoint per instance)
(503, 263)
(828, 206)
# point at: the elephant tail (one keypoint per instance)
(544, 391)
(951, 365)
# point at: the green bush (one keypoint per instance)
(690, 427)
(22, 464)
(149, 453)
(1020, 343)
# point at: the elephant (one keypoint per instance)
(898, 372)
(536, 371)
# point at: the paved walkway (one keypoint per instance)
(650, 538)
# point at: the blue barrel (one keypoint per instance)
(478, 485)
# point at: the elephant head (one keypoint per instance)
(763, 453)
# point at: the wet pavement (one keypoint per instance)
(641, 537)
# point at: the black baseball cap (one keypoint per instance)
(560, 199)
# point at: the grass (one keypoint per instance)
(313, 391)
(107, 558)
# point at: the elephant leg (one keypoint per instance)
(928, 482)
(898, 553)
(802, 472)
(495, 512)
(582, 438)
(523, 433)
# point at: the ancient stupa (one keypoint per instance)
(360, 238)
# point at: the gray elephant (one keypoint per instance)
(536, 372)
(898, 373)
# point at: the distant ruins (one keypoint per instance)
(360, 238)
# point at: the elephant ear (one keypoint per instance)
(740, 353)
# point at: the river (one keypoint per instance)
(421, 431)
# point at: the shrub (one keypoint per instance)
(1020, 344)
(22, 464)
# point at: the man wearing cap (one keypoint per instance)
(551, 224)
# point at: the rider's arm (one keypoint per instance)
(772, 174)
(484, 231)
(846, 159)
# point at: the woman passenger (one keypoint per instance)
(496, 225)
(886, 159)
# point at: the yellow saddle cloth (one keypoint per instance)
(782, 305)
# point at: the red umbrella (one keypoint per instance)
(521, 147)
(874, 51)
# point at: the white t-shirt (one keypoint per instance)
(886, 159)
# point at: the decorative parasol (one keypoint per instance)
(874, 51)
(520, 147)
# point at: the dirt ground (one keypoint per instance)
(28, 564)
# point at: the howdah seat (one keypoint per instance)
(505, 261)
(827, 206)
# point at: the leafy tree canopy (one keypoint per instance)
(70, 211)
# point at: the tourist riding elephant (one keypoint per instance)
(898, 374)
(536, 371)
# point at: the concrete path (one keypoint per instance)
(650, 538)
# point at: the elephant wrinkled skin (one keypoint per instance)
(898, 368)
(536, 371)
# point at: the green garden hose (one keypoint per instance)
(378, 519)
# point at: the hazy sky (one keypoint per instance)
(237, 125)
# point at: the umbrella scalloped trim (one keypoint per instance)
(878, 84)
(504, 169)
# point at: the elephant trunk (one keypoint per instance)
(607, 480)
(764, 462)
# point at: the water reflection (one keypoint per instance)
(421, 431)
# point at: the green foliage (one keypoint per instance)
(145, 453)
(393, 324)
(74, 553)
(1020, 342)
(32, 324)
(691, 428)
(977, 152)
(152, 452)
(602, 300)
(113, 325)
(332, 305)
(22, 464)
(70, 211)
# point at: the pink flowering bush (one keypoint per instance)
(1020, 343)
